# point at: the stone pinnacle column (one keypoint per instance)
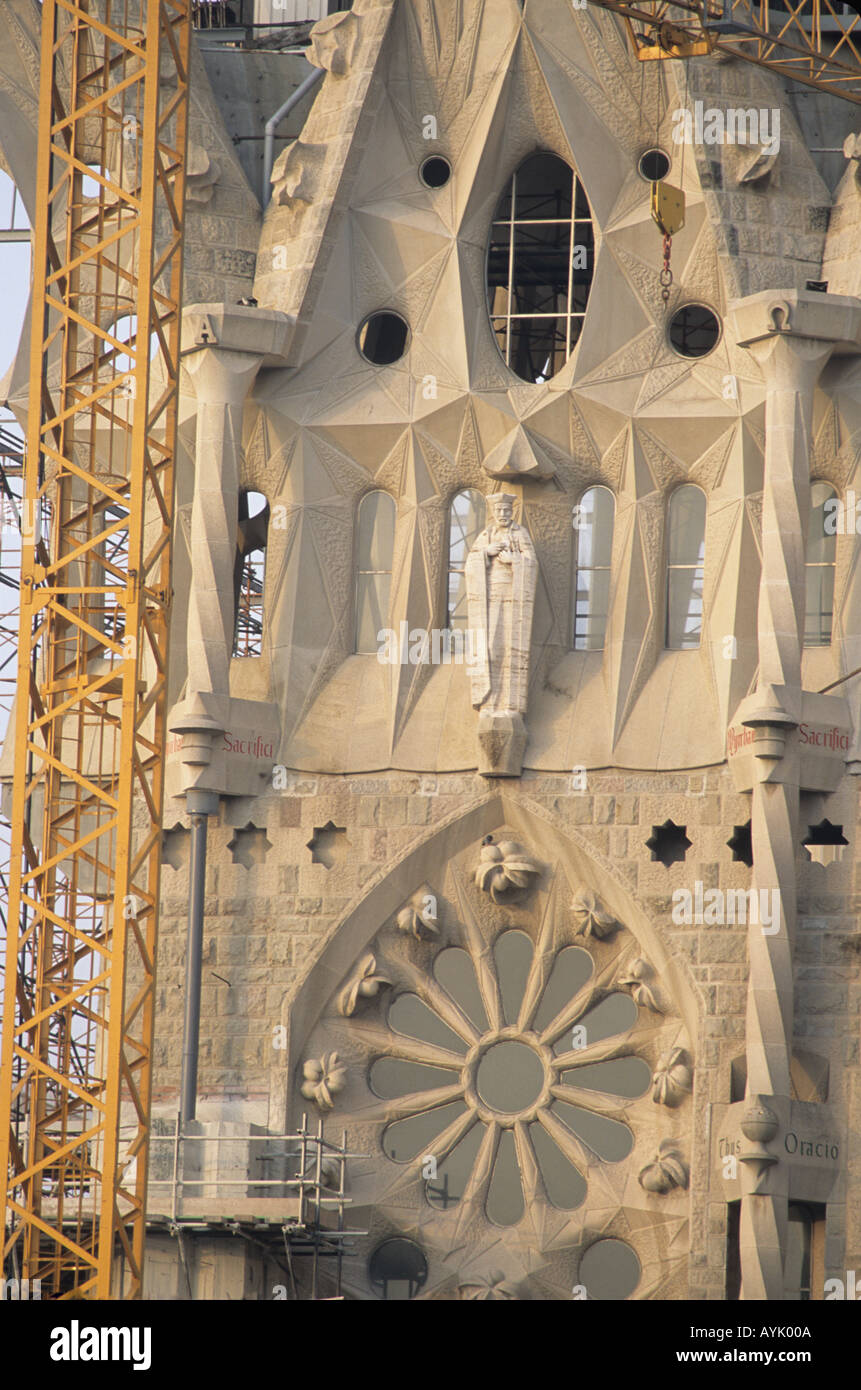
(224, 347)
(791, 336)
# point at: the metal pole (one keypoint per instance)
(200, 806)
(272, 125)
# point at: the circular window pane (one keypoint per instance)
(609, 1269)
(653, 165)
(694, 330)
(435, 172)
(382, 338)
(510, 1077)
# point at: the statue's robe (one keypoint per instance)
(500, 597)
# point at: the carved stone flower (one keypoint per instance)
(364, 983)
(634, 979)
(591, 918)
(323, 1080)
(667, 1170)
(673, 1078)
(416, 922)
(485, 1288)
(504, 870)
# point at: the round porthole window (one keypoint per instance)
(694, 330)
(653, 165)
(398, 1268)
(609, 1270)
(435, 172)
(382, 337)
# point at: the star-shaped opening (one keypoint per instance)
(741, 844)
(328, 845)
(669, 843)
(175, 847)
(249, 846)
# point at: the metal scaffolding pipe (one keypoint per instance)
(272, 125)
(200, 807)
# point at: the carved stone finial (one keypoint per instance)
(500, 574)
(202, 174)
(333, 43)
(591, 918)
(673, 1078)
(418, 918)
(324, 1079)
(634, 978)
(852, 147)
(504, 871)
(364, 983)
(296, 174)
(666, 1171)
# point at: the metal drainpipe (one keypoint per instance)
(200, 805)
(272, 125)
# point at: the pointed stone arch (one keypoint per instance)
(389, 890)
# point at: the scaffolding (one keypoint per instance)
(301, 1208)
(91, 693)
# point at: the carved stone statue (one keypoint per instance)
(500, 590)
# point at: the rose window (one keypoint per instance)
(495, 1074)
(511, 1075)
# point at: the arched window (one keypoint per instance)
(249, 572)
(398, 1268)
(686, 545)
(465, 521)
(819, 567)
(539, 267)
(375, 545)
(593, 548)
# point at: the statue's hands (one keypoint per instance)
(495, 549)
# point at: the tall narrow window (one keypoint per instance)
(375, 545)
(539, 267)
(466, 520)
(249, 572)
(593, 545)
(819, 569)
(686, 545)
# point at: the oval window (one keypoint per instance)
(539, 267)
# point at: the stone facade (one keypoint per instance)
(362, 830)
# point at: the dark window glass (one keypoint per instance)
(694, 330)
(398, 1268)
(653, 165)
(249, 572)
(435, 172)
(539, 267)
(382, 338)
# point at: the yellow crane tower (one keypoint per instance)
(92, 659)
(75, 1067)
